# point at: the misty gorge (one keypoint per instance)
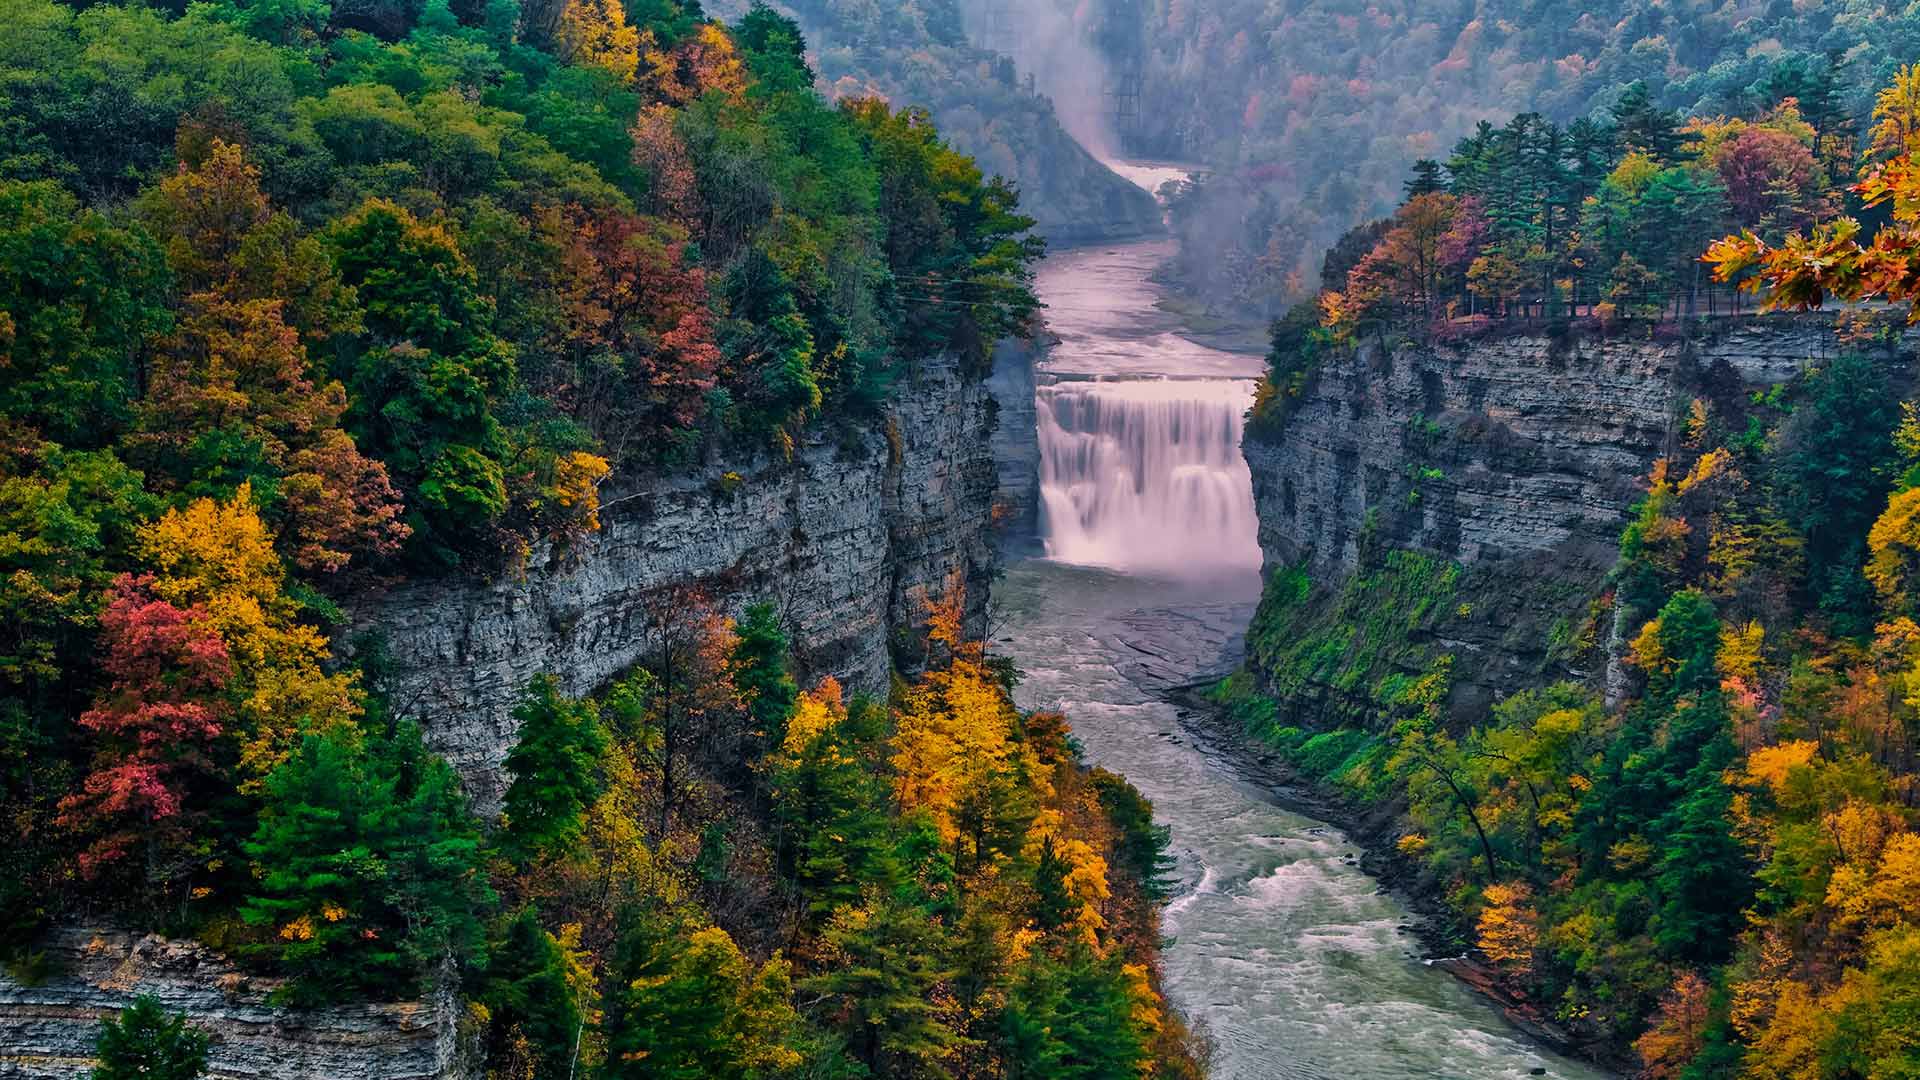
(915, 539)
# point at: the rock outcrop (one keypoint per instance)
(1016, 447)
(48, 1029)
(849, 540)
(1517, 457)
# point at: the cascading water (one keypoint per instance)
(1146, 474)
(1295, 961)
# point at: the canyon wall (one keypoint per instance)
(48, 1027)
(849, 540)
(1516, 458)
(1016, 447)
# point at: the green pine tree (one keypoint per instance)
(887, 962)
(763, 675)
(555, 767)
(148, 1043)
(693, 1007)
(529, 998)
(1071, 1019)
(368, 867)
(833, 804)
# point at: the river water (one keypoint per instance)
(1292, 959)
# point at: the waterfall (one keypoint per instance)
(1146, 474)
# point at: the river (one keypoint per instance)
(1293, 960)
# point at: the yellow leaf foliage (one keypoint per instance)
(595, 33)
(954, 733)
(817, 711)
(1086, 877)
(1146, 1003)
(1712, 464)
(1509, 928)
(1788, 1047)
(220, 557)
(1887, 896)
(1646, 652)
(576, 487)
(1680, 1029)
(1772, 767)
(1896, 116)
(1894, 546)
(1696, 424)
(1740, 651)
(616, 836)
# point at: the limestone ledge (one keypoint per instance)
(848, 540)
(48, 1030)
(1518, 458)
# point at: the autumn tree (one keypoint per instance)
(1508, 926)
(1805, 268)
(229, 402)
(691, 696)
(635, 331)
(223, 237)
(154, 735)
(1896, 117)
(595, 33)
(1407, 263)
(217, 557)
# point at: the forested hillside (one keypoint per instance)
(1308, 114)
(919, 53)
(1692, 836)
(299, 300)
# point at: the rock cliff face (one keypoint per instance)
(848, 540)
(47, 1031)
(1016, 448)
(1517, 458)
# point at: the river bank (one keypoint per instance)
(1281, 946)
(1376, 828)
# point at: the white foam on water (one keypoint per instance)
(1146, 475)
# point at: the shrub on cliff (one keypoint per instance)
(145, 1042)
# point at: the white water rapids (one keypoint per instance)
(1290, 957)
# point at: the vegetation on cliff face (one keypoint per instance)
(705, 872)
(1716, 873)
(298, 299)
(1605, 221)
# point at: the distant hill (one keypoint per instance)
(1311, 113)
